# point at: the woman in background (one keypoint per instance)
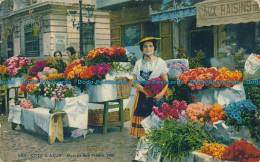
(71, 54)
(61, 64)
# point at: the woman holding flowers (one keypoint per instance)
(147, 68)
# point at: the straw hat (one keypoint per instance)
(147, 39)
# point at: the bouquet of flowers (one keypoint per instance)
(62, 91)
(243, 113)
(172, 111)
(45, 73)
(101, 69)
(215, 150)
(154, 86)
(74, 63)
(26, 104)
(17, 65)
(196, 109)
(233, 110)
(241, 151)
(31, 86)
(103, 54)
(38, 67)
(216, 112)
(53, 90)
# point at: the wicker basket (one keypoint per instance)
(123, 90)
(95, 117)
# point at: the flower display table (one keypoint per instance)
(76, 109)
(51, 123)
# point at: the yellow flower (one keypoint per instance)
(2, 69)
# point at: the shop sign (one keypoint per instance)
(216, 12)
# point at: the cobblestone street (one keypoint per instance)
(21, 145)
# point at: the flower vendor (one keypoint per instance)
(61, 64)
(71, 54)
(145, 69)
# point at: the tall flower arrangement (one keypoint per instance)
(108, 55)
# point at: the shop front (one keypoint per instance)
(238, 23)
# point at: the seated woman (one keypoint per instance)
(61, 64)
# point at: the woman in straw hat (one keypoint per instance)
(146, 68)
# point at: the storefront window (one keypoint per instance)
(88, 37)
(31, 41)
(241, 36)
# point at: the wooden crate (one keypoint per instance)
(95, 117)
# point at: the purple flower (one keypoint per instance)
(178, 66)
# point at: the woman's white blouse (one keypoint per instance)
(158, 68)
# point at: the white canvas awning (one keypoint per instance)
(217, 12)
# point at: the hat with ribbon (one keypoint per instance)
(147, 39)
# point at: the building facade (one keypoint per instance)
(176, 22)
(37, 28)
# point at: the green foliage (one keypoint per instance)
(253, 93)
(179, 92)
(198, 61)
(117, 67)
(176, 140)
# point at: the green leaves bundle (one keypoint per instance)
(175, 140)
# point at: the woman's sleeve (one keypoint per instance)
(164, 68)
(135, 71)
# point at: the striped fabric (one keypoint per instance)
(136, 128)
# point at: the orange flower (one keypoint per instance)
(215, 150)
(216, 112)
(55, 76)
(87, 73)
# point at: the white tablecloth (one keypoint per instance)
(76, 109)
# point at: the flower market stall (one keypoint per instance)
(98, 82)
(210, 114)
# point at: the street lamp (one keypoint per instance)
(89, 13)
